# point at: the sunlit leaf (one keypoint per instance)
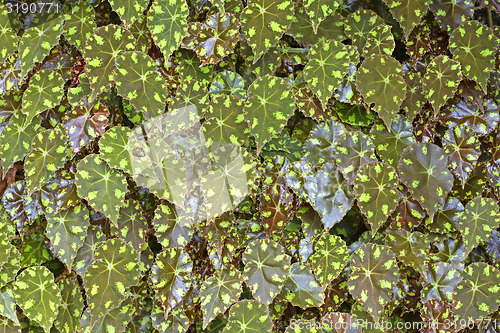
(129, 11)
(264, 22)
(358, 24)
(328, 64)
(408, 13)
(473, 45)
(94, 175)
(380, 82)
(168, 24)
(82, 125)
(248, 316)
(380, 41)
(38, 296)
(374, 274)
(441, 80)
(8, 38)
(301, 288)
(411, 248)
(132, 225)
(375, 188)
(101, 50)
(79, 24)
(329, 258)
(268, 108)
(354, 149)
(71, 309)
(114, 148)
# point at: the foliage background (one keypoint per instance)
(370, 140)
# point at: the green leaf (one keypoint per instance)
(380, 40)
(446, 218)
(441, 81)
(329, 62)
(408, 13)
(225, 121)
(48, 153)
(463, 149)
(379, 82)
(86, 253)
(319, 10)
(415, 96)
(101, 50)
(375, 188)
(474, 45)
(8, 303)
(114, 148)
(411, 248)
(218, 292)
(79, 24)
(358, 24)
(138, 80)
(215, 38)
(329, 258)
(477, 295)
(82, 128)
(172, 230)
(374, 275)
(8, 37)
(132, 225)
(480, 121)
(37, 42)
(168, 24)
(59, 192)
(266, 269)
(44, 92)
(302, 28)
(171, 277)
(129, 11)
(80, 94)
(276, 207)
(354, 149)
(71, 309)
(450, 14)
(37, 295)
(16, 139)
(301, 288)
(268, 108)
(228, 83)
(390, 144)
(106, 280)
(66, 231)
(175, 321)
(92, 177)
(10, 268)
(423, 168)
(264, 22)
(248, 316)
(480, 217)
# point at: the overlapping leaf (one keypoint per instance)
(38, 296)
(329, 258)
(92, 177)
(411, 248)
(266, 269)
(101, 50)
(71, 309)
(114, 269)
(268, 108)
(138, 80)
(322, 142)
(354, 150)
(408, 13)
(473, 45)
(375, 188)
(48, 153)
(264, 22)
(463, 149)
(115, 150)
(358, 24)
(132, 225)
(451, 14)
(219, 292)
(480, 217)
(441, 80)
(38, 40)
(8, 38)
(329, 62)
(248, 316)
(374, 274)
(380, 40)
(215, 38)
(79, 24)
(129, 11)
(442, 279)
(423, 168)
(228, 83)
(380, 82)
(477, 295)
(225, 121)
(44, 92)
(168, 24)
(83, 126)
(301, 288)
(170, 276)
(67, 231)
